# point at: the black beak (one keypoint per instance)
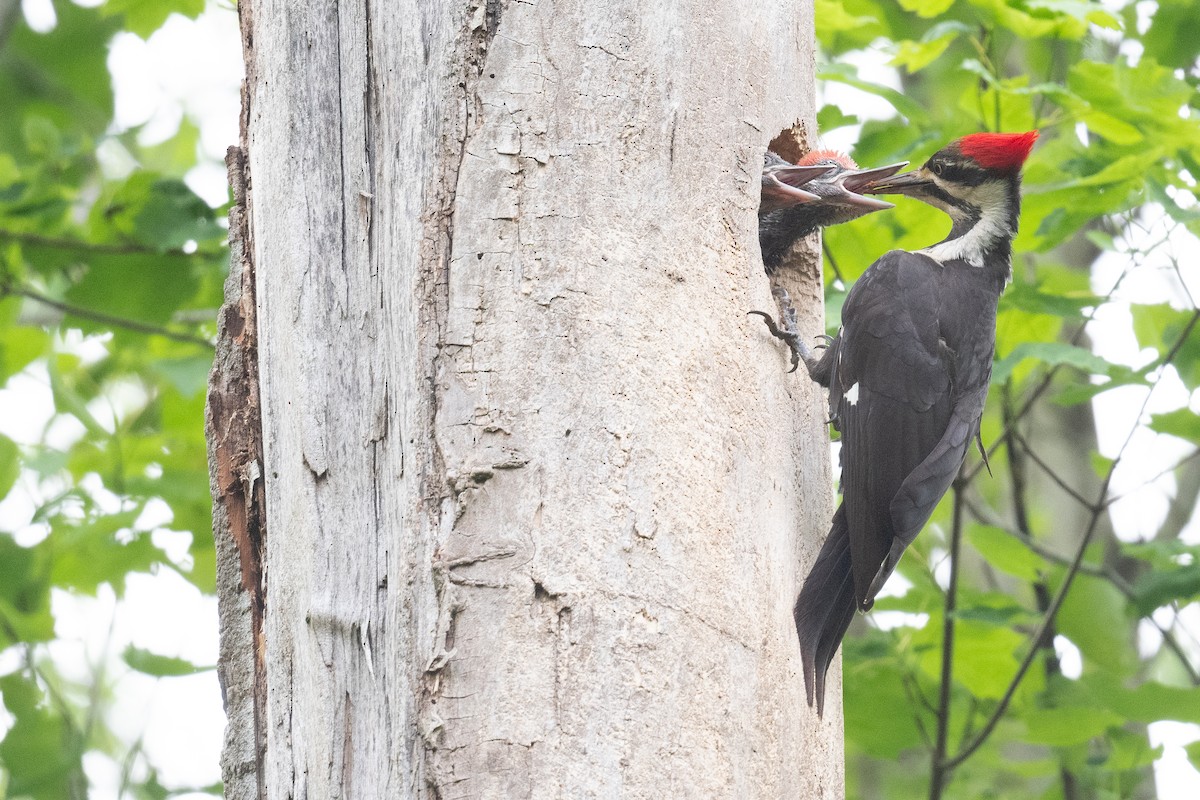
(911, 182)
(855, 181)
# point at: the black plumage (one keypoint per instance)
(908, 377)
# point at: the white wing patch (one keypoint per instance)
(852, 395)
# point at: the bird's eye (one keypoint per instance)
(937, 168)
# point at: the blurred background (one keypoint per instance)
(113, 199)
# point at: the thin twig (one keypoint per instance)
(910, 690)
(103, 318)
(1027, 449)
(939, 770)
(106, 248)
(833, 265)
(1181, 462)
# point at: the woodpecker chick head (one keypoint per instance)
(782, 182)
(797, 199)
(838, 189)
(967, 177)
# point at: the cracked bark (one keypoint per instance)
(541, 494)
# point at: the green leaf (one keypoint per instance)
(1193, 753)
(160, 213)
(831, 117)
(1030, 298)
(984, 655)
(102, 551)
(1171, 38)
(10, 464)
(176, 155)
(1160, 587)
(1005, 552)
(1094, 618)
(1131, 167)
(139, 286)
(41, 136)
(877, 711)
(1077, 393)
(1101, 465)
(41, 754)
(832, 17)
(19, 344)
(61, 75)
(144, 17)
(1149, 702)
(915, 56)
(24, 594)
(844, 73)
(927, 8)
(160, 666)
(1183, 423)
(1130, 750)
(1051, 354)
(1038, 22)
(1069, 725)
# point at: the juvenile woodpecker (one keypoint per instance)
(907, 376)
(822, 189)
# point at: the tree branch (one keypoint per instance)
(105, 248)
(103, 318)
(1025, 449)
(939, 770)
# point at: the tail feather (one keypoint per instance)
(825, 608)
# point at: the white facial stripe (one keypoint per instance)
(991, 198)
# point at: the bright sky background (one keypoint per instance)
(193, 69)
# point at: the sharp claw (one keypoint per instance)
(789, 336)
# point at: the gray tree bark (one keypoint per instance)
(539, 494)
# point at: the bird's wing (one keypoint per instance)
(892, 395)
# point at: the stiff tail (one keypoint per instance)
(824, 609)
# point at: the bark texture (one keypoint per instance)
(540, 493)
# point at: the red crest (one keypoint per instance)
(1002, 152)
(817, 156)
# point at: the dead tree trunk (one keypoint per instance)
(538, 493)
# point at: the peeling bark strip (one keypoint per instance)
(234, 433)
(233, 429)
(233, 426)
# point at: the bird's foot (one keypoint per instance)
(794, 342)
(788, 329)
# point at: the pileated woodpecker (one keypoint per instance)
(908, 376)
(822, 189)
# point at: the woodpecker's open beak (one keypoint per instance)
(855, 181)
(781, 185)
(914, 181)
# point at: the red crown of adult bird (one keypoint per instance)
(908, 375)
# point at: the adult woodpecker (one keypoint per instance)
(822, 189)
(908, 375)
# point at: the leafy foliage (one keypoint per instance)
(108, 289)
(1111, 183)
